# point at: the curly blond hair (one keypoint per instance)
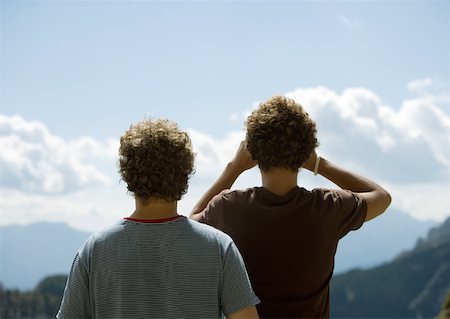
(156, 159)
(280, 134)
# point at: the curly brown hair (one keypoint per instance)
(156, 159)
(280, 134)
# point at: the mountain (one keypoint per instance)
(413, 285)
(379, 240)
(29, 253)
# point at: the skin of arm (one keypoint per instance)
(246, 313)
(376, 197)
(241, 162)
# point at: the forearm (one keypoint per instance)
(225, 181)
(345, 179)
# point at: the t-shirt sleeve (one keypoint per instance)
(236, 291)
(76, 302)
(212, 214)
(349, 210)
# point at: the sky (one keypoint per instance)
(74, 75)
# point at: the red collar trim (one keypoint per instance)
(152, 221)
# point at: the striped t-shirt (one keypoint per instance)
(174, 269)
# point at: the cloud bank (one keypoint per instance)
(409, 144)
(35, 161)
(405, 148)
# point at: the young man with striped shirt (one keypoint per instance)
(156, 263)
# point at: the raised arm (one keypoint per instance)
(377, 198)
(241, 162)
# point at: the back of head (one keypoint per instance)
(280, 134)
(156, 160)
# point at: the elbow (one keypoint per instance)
(378, 205)
(387, 199)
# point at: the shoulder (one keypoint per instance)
(238, 194)
(333, 194)
(108, 233)
(100, 238)
(208, 233)
(225, 203)
(209, 240)
(339, 199)
(229, 197)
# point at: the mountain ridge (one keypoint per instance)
(380, 240)
(43, 249)
(39, 250)
(414, 284)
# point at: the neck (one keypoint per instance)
(154, 208)
(279, 180)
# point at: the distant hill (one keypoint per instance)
(31, 252)
(41, 302)
(379, 240)
(413, 285)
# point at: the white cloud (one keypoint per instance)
(348, 22)
(45, 177)
(423, 201)
(89, 209)
(358, 122)
(36, 161)
(419, 85)
(406, 149)
(213, 154)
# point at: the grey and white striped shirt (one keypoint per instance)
(173, 269)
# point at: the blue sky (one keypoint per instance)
(95, 67)
(77, 73)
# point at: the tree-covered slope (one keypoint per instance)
(413, 285)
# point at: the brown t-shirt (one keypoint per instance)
(288, 243)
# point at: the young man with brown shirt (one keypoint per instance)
(286, 234)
